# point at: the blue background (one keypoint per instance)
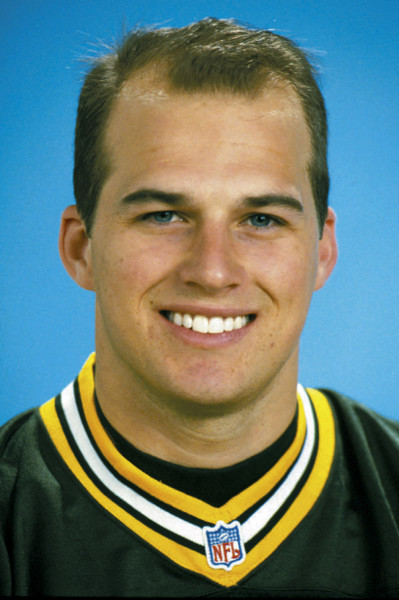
(351, 340)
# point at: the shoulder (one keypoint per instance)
(367, 446)
(19, 442)
(356, 420)
(14, 432)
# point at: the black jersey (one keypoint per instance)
(80, 516)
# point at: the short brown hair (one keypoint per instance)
(211, 55)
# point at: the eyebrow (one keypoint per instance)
(143, 196)
(274, 200)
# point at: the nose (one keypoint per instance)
(212, 262)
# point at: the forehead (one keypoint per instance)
(154, 128)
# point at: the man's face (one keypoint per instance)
(207, 221)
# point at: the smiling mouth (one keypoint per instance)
(213, 325)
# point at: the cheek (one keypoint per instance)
(127, 267)
(288, 271)
(298, 276)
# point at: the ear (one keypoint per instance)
(328, 250)
(75, 248)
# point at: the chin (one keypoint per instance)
(215, 396)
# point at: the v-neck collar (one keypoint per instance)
(214, 486)
(188, 530)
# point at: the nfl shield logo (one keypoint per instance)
(224, 545)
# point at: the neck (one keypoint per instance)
(191, 434)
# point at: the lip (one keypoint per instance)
(206, 340)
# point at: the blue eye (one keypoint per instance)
(160, 217)
(164, 216)
(261, 220)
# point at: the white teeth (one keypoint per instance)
(216, 325)
(177, 319)
(187, 321)
(202, 324)
(238, 323)
(229, 324)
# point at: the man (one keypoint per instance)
(185, 460)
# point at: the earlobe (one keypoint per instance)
(75, 248)
(328, 250)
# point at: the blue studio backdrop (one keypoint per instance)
(351, 340)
